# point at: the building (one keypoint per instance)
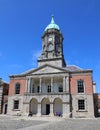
(4, 87)
(53, 87)
(97, 104)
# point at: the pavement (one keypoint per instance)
(47, 123)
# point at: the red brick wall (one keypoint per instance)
(87, 83)
(12, 86)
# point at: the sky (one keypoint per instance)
(22, 24)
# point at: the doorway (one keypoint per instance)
(5, 109)
(47, 109)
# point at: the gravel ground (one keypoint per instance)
(15, 123)
(47, 123)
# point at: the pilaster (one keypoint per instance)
(39, 109)
(52, 89)
(51, 110)
(40, 85)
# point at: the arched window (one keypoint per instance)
(17, 88)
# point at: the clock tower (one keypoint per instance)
(52, 46)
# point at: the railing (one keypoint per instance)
(50, 93)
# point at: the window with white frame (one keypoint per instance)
(17, 88)
(81, 104)
(49, 88)
(80, 85)
(16, 104)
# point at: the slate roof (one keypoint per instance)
(73, 68)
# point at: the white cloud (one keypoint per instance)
(35, 55)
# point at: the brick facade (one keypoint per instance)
(87, 80)
(13, 82)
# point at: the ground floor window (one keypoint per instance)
(16, 104)
(81, 104)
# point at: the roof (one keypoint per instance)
(73, 68)
(52, 25)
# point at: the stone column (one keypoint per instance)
(51, 109)
(64, 84)
(66, 110)
(52, 89)
(67, 84)
(31, 85)
(40, 85)
(26, 109)
(39, 109)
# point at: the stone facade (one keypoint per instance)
(53, 88)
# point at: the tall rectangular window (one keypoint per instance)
(16, 104)
(38, 89)
(80, 85)
(49, 89)
(17, 88)
(81, 104)
(60, 88)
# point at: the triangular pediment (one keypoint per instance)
(44, 69)
(47, 69)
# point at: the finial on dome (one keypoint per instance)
(52, 20)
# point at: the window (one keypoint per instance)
(60, 89)
(49, 88)
(81, 104)
(33, 88)
(80, 84)
(16, 104)
(17, 88)
(38, 88)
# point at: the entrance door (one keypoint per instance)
(47, 109)
(5, 110)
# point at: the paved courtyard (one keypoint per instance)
(47, 123)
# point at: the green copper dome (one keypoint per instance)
(52, 25)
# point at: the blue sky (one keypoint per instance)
(22, 23)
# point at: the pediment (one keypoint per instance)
(47, 69)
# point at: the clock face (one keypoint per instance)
(50, 47)
(50, 39)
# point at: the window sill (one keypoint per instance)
(81, 93)
(81, 111)
(17, 94)
(15, 109)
